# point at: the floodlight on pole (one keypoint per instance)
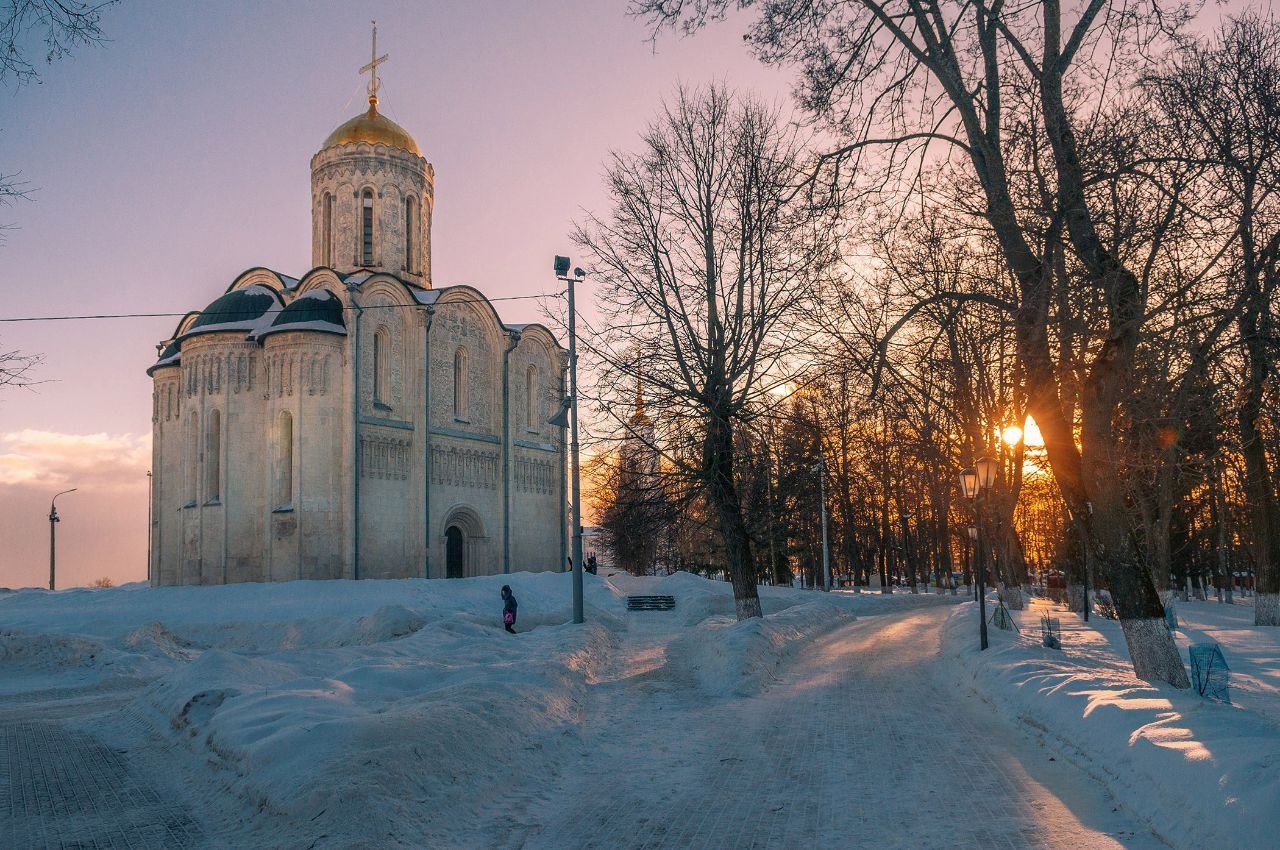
(568, 415)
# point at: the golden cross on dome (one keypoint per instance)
(374, 61)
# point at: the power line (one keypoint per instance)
(240, 313)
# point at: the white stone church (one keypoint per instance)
(357, 422)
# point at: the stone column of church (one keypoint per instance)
(243, 464)
(190, 516)
(306, 527)
(226, 464)
(166, 438)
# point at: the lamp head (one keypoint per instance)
(986, 468)
(579, 273)
(561, 417)
(973, 533)
(969, 483)
(561, 266)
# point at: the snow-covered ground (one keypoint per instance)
(399, 713)
(363, 710)
(358, 711)
(1202, 774)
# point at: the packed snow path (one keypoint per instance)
(862, 742)
(60, 787)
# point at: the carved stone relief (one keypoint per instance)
(535, 476)
(476, 468)
(384, 457)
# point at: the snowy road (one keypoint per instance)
(863, 742)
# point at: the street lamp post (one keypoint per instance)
(568, 415)
(53, 547)
(971, 550)
(149, 520)
(821, 469)
(974, 482)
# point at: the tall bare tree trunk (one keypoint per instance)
(718, 461)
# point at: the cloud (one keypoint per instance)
(101, 462)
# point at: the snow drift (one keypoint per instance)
(728, 657)
(1202, 774)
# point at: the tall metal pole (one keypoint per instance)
(573, 448)
(149, 484)
(982, 571)
(822, 494)
(53, 520)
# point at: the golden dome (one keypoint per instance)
(376, 129)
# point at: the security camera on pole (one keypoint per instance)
(568, 415)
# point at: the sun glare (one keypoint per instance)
(1030, 432)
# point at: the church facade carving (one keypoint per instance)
(347, 423)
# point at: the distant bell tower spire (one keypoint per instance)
(640, 417)
(374, 61)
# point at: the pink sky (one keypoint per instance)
(176, 156)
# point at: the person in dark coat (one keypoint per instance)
(508, 609)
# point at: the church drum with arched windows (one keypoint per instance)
(356, 422)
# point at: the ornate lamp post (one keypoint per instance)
(973, 483)
(53, 521)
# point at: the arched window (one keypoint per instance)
(284, 460)
(381, 365)
(460, 379)
(193, 458)
(410, 225)
(531, 391)
(366, 227)
(213, 457)
(326, 250)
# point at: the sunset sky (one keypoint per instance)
(176, 156)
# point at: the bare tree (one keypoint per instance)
(59, 27)
(1224, 98)
(707, 262)
(911, 76)
(16, 368)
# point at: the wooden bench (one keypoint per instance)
(651, 603)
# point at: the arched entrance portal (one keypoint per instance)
(455, 552)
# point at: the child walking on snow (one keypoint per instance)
(508, 608)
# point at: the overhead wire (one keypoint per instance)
(238, 313)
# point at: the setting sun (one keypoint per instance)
(1030, 432)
